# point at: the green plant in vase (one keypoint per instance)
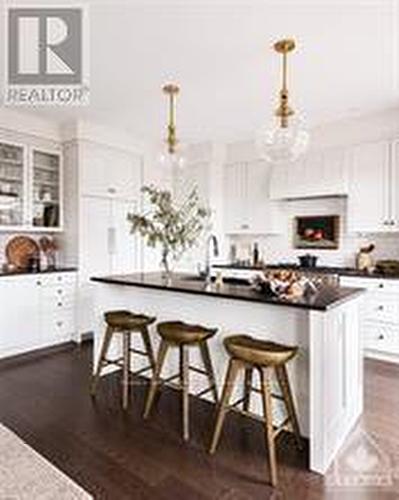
(172, 226)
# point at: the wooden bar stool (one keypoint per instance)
(124, 323)
(247, 353)
(183, 336)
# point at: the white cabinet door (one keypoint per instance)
(20, 317)
(368, 200)
(235, 208)
(96, 236)
(107, 171)
(394, 182)
(124, 248)
(262, 212)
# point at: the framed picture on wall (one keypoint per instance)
(317, 232)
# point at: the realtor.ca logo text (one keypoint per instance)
(46, 60)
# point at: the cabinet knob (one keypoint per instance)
(381, 308)
(381, 285)
(380, 336)
(111, 190)
(59, 304)
(38, 283)
(59, 323)
(244, 226)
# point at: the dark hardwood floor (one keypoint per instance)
(44, 399)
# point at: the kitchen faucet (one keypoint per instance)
(210, 240)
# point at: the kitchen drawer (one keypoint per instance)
(389, 286)
(57, 279)
(59, 326)
(381, 308)
(380, 337)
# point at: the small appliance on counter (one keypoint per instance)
(387, 267)
(308, 260)
(364, 260)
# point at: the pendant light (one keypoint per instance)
(172, 155)
(286, 140)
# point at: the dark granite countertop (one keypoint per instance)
(341, 271)
(325, 299)
(44, 271)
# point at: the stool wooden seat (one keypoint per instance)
(125, 323)
(182, 335)
(268, 358)
(257, 351)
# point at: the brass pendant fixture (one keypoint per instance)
(285, 141)
(171, 90)
(173, 156)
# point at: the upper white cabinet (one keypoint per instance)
(46, 189)
(107, 171)
(247, 206)
(318, 174)
(373, 201)
(30, 188)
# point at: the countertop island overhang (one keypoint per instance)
(327, 375)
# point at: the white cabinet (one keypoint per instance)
(107, 171)
(31, 181)
(369, 196)
(247, 206)
(379, 316)
(320, 173)
(37, 311)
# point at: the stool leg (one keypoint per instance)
(148, 347)
(126, 370)
(184, 383)
(163, 347)
(232, 372)
(268, 416)
(283, 380)
(247, 388)
(100, 362)
(206, 359)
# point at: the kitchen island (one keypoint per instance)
(326, 376)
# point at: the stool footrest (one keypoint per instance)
(116, 362)
(138, 351)
(169, 379)
(236, 403)
(281, 427)
(142, 370)
(197, 370)
(204, 391)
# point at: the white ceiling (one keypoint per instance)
(220, 53)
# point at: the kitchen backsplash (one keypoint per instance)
(280, 248)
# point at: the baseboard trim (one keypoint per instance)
(27, 357)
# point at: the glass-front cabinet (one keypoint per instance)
(13, 192)
(30, 188)
(46, 187)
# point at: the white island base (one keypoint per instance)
(326, 376)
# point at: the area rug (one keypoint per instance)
(26, 475)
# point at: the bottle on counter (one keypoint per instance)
(255, 255)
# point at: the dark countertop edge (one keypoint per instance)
(4, 274)
(218, 294)
(352, 273)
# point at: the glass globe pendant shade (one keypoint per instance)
(282, 145)
(175, 160)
